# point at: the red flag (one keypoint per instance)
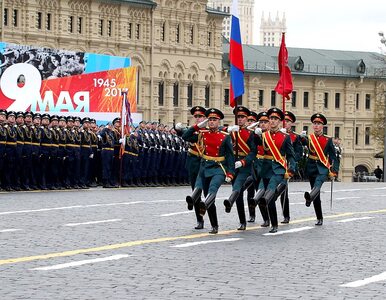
(284, 85)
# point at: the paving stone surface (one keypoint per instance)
(147, 223)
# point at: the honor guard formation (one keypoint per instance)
(257, 155)
(39, 151)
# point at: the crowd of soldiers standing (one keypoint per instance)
(42, 151)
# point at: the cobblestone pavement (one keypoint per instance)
(140, 244)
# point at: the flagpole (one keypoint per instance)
(123, 121)
(282, 68)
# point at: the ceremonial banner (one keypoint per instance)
(65, 82)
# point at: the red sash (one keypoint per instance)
(275, 152)
(242, 144)
(319, 151)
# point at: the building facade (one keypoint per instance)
(271, 30)
(182, 61)
(246, 16)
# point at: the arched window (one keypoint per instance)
(176, 91)
(190, 95)
(207, 95)
(161, 93)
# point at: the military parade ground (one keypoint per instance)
(140, 243)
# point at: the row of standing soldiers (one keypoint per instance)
(255, 155)
(39, 151)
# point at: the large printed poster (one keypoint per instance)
(65, 82)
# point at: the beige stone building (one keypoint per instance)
(246, 16)
(271, 29)
(182, 61)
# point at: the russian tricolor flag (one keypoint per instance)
(236, 57)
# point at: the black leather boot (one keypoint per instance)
(310, 196)
(269, 196)
(200, 225)
(319, 222)
(280, 189)
(228, 203)
(196, 195)
(258, 196)
(204, 205)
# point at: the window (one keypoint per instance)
(261, 98)
(207, 95)
(175, 94)
(130, 31)
(325, 100)
(14, 17)
(337, 100)
(325, 130)
(39, 20)
(337, 132)
(293, 99)
(138, 31)
(80, 21)
(209, 38)
(293, 128)
(356, 135)
(178, 33)
(71, 24)
(239, 100)
(191, 34)
(305, 128)
(273, 98)
(163, 32)
(367, 101)
(357, 101)
(226, 97)
(5, 17)
(101, 26)
(305, 99)
(109, 28)
(367, 136)
(161, 93)
(190, 95)
(48, 22)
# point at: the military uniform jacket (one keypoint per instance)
(218, 157)
(283, 144)
(3, 139)
(328, 148)
(246, 150)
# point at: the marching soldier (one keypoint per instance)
(263, 124)
(290, 119)
(245, 153)
(278, 163)
(321, 163)
(19, 150)
(54, 162)
(194, 158)
(116, 132)
(252, 119)
(217, 163)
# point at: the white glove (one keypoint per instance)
(91, 155)
(202, 124)
(228, 179)
(179, 126)
(238, 164)
(99, 137)
(121, 141)
(252, 126)
(303, 134)
(283, 130)
(233, 128)
(258, 131)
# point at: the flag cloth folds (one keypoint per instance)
(236, 58)
(284, 85)
(126, 120)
